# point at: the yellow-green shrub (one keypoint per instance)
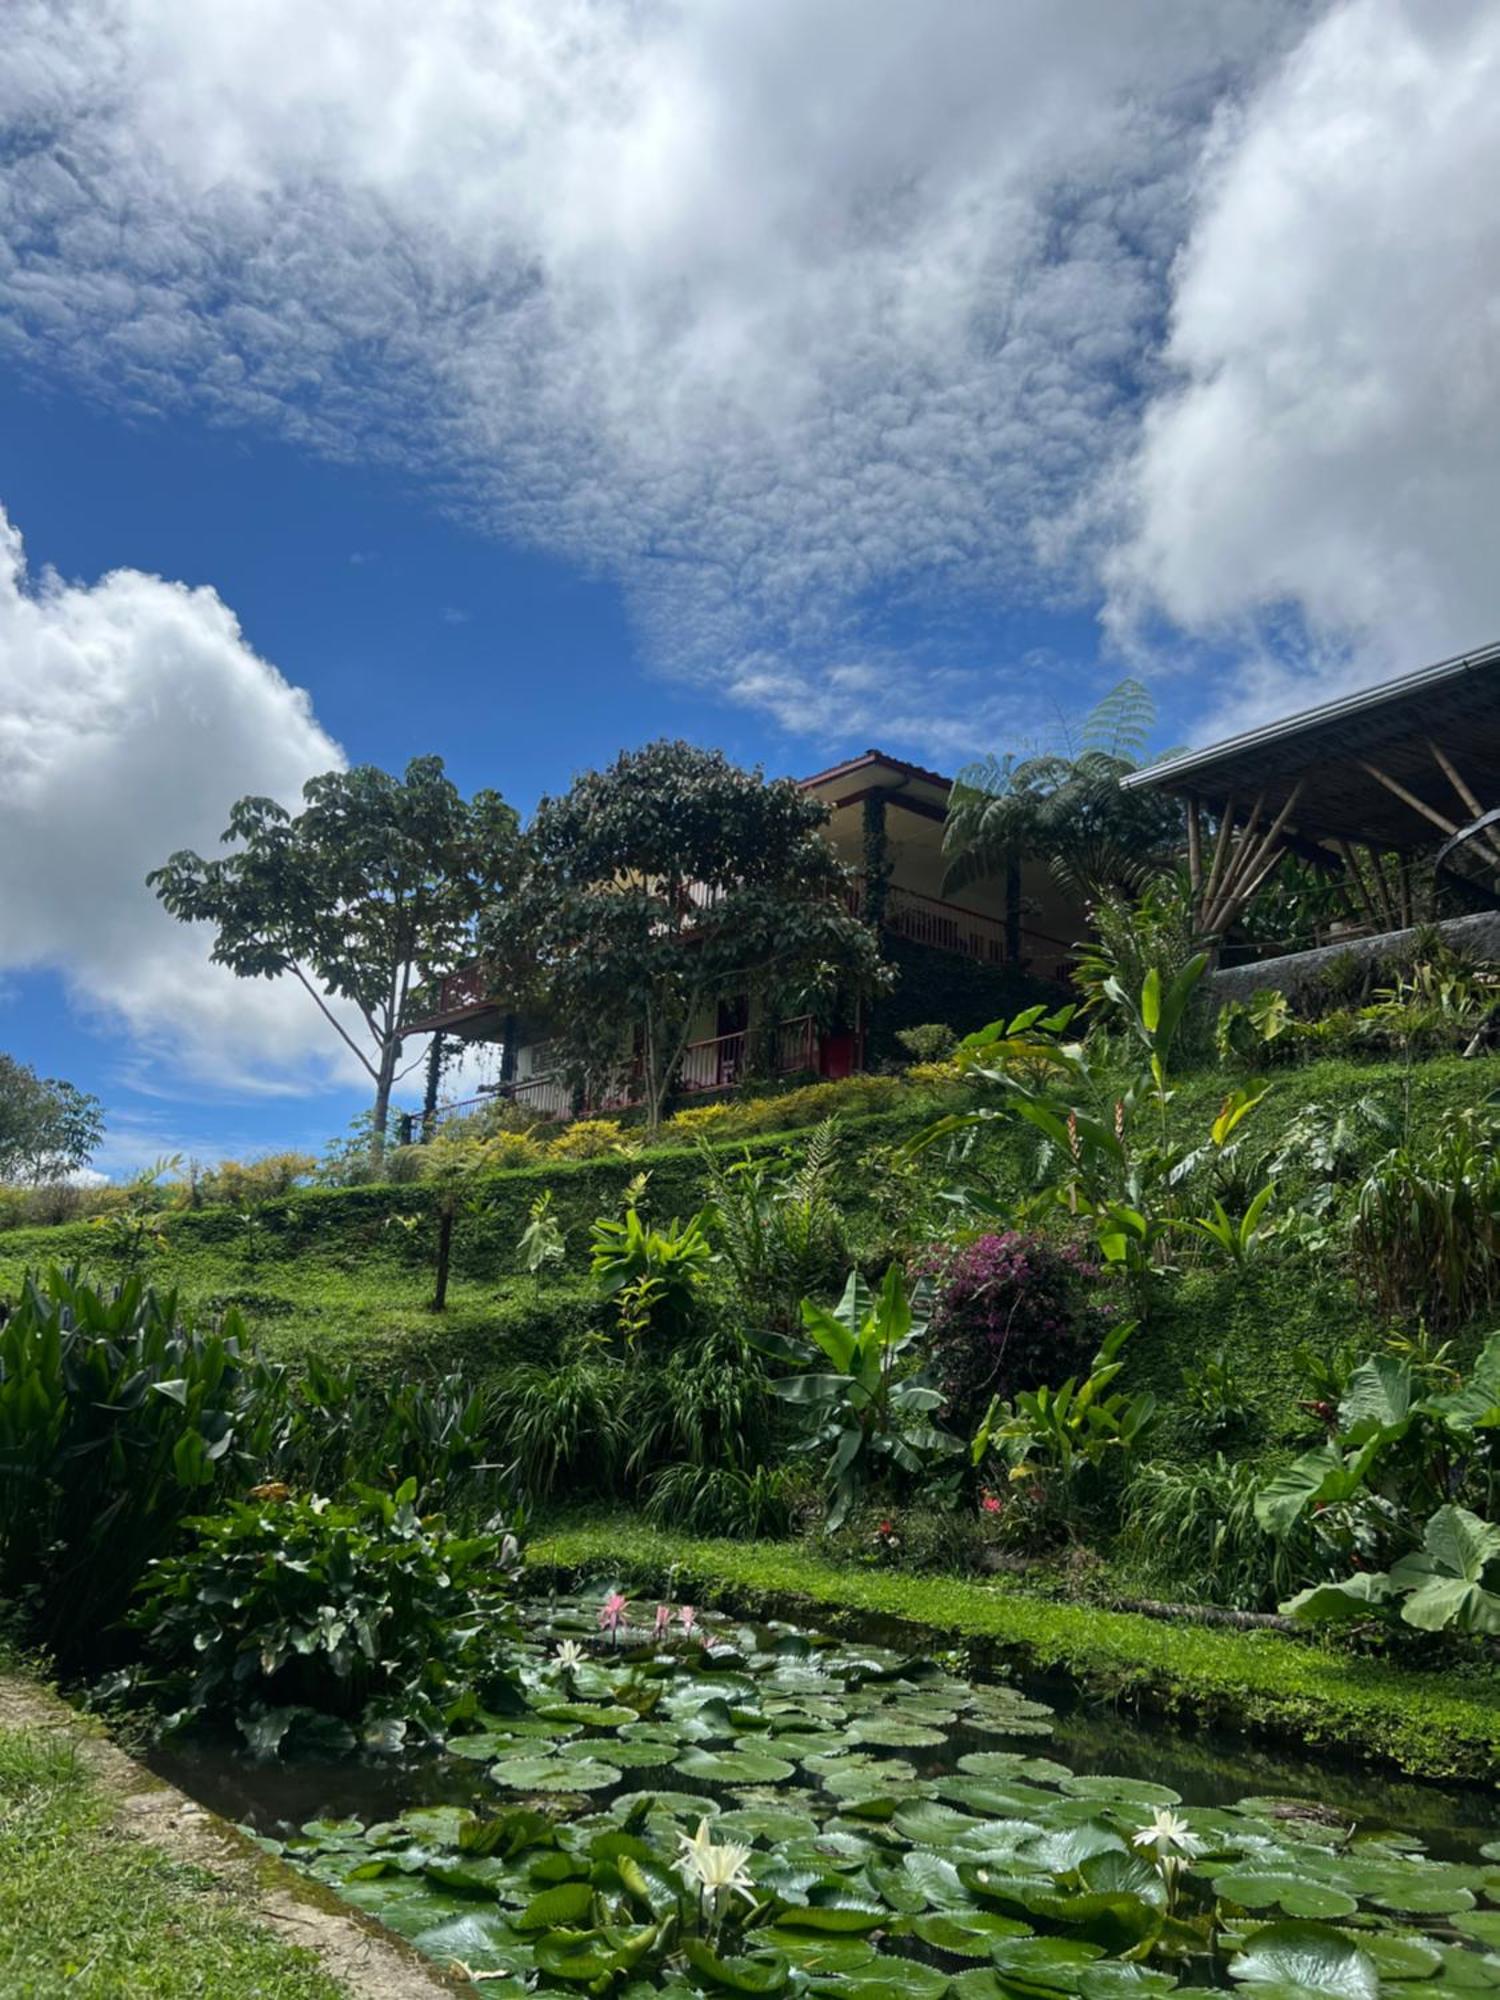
(702, 1121)
(589, 1139)
(265, 1179)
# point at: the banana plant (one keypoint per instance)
(861, 1399)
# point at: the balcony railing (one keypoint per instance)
(723, 1061)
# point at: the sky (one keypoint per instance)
(518, 380)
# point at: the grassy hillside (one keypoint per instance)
(347, 1272)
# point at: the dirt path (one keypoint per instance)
(368, 1961)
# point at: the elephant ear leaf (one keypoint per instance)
(1444, 1581)
(1339, 1603)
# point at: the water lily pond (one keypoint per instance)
(759, 1809)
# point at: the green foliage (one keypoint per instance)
(1060, 1449)
(1214, 1401)
(778, 1225)
(721, 1499)
(543, 1241)
(1410, 1442)
(369, 893)
(132, 1227)
(1440, 1587)
(563, 1422)
(1191, 1530)
(1426, 1235)
(927, 1041)
(1069, 811)
(115, 1420)
(48, 1128)
(321, 1428)
(360, 1609)
(856, 1392)
(1131, 939)
(653, 1274)
(663, 883)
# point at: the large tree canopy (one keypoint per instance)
(666, 882)
(1067, 808)
(48, 1128)
(368, 894)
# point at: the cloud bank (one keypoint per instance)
(1329, 457)
(831, 331)
(792, 319)
(131, 710)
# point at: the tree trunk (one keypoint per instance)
(1013, 910)
(380, 1115)
(434, 1084)
(444, 1254)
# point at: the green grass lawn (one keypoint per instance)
(1428, 1723)
(84, 1910)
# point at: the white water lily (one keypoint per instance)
(717, 1870)
(569, 1654)
(1170, 1836)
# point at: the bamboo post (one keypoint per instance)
(1216, 867)
(1475, 809)
(1382, 887)
(1251, 865)
(1195, 845)
(1398, 790)
(1353, 874)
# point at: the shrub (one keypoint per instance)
(702, 1121)
(264, 1179)
(563, 1423)
(779, 1226)
(1009, 1312)
(928, 1042)
(114, 1421)
(1426, 1235)
(1191, 1531)
(744, 1502)
(358, 1609)
(588, 1139)
(708, 1405)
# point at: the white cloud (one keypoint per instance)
(132, 714)
(1325, 475)
(767, 310)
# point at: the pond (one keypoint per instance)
(760, 1808)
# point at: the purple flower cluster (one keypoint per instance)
(1010, 1311)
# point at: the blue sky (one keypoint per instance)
(521, 381)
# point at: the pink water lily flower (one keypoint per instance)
(611, 1613)
(687, 1614)
(663, 1620)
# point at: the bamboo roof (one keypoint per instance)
(1433, 736)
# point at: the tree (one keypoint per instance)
(671, 880)
(48, 1128)
(1068, 810)
(367, 894)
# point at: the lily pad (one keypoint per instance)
(557, 1774)
(1264, 1889)
(1297, 1959)
(733, 1767)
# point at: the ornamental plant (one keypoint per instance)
(1009, 1312)
(359, 1609)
